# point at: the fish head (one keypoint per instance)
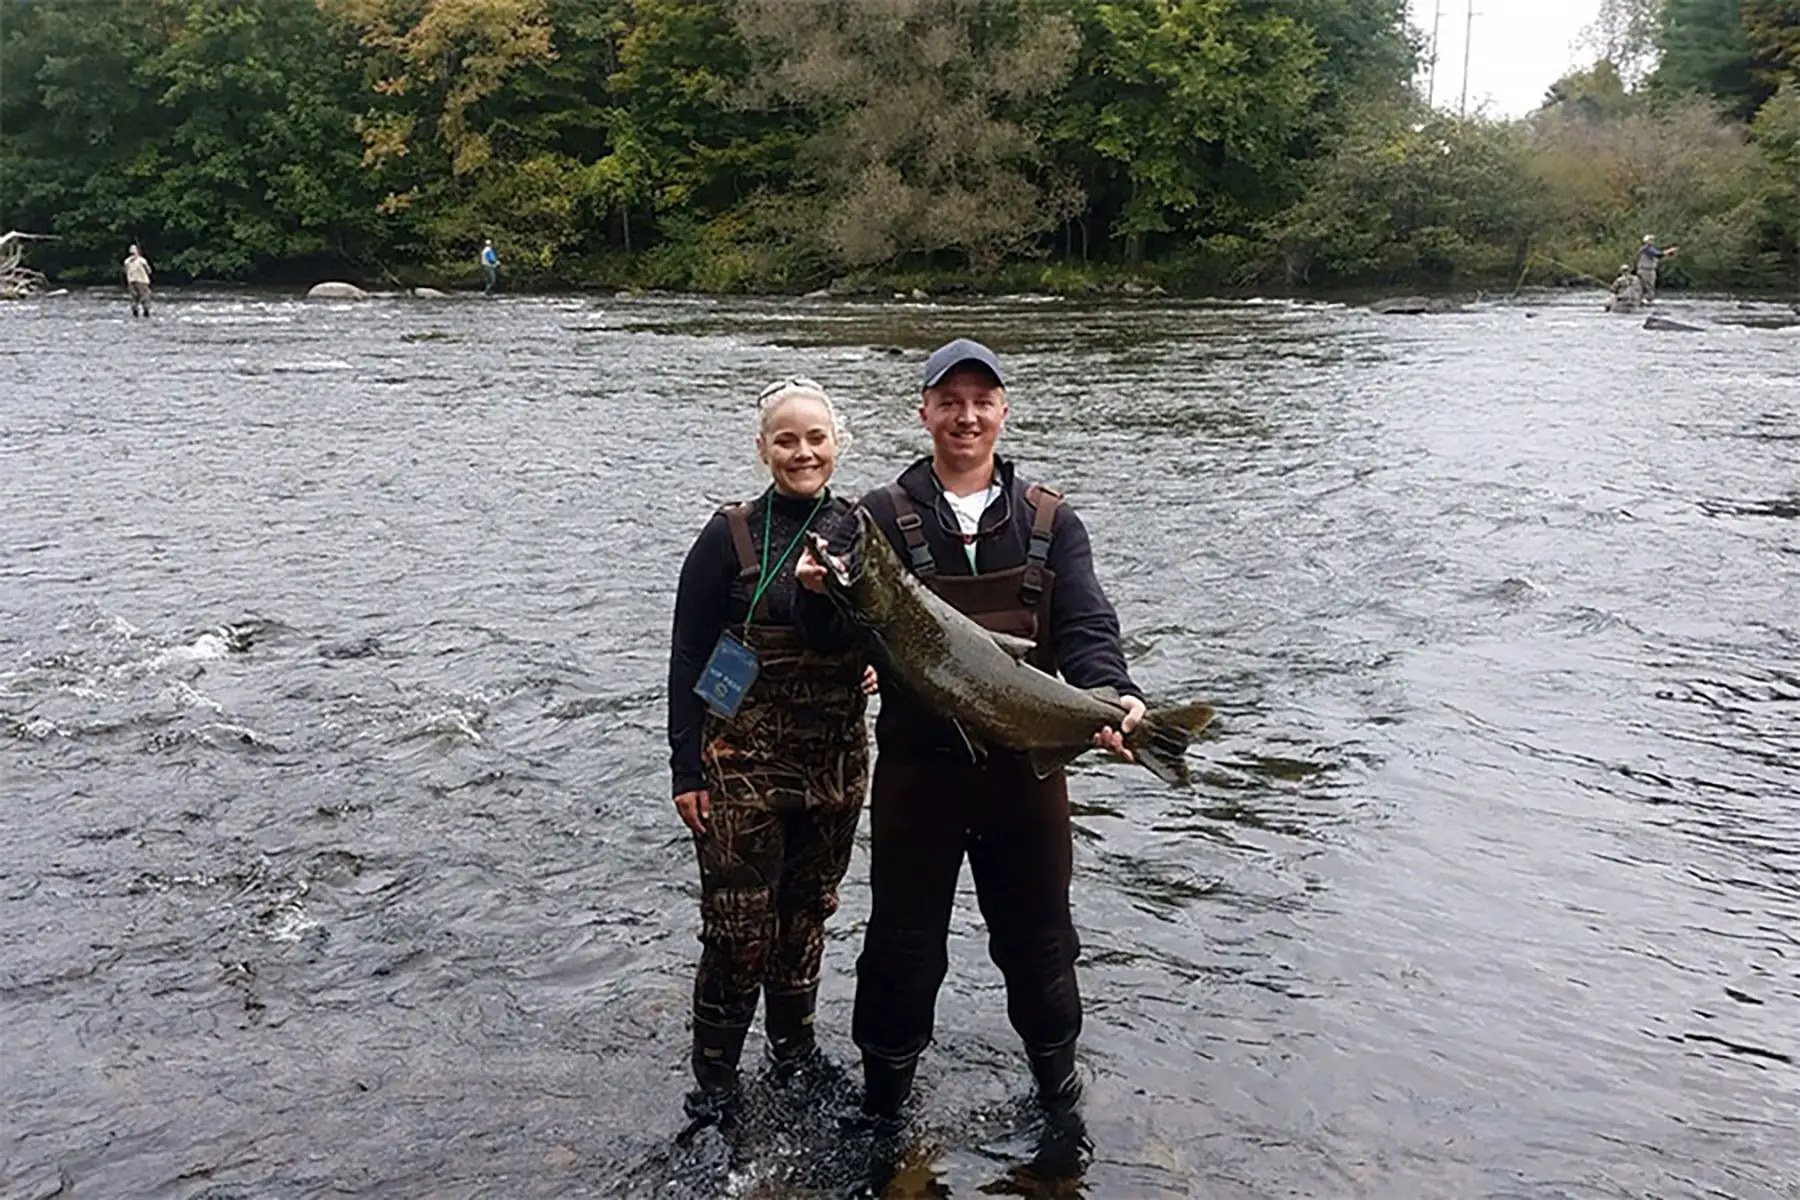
(868, 580)
(840, 578)
(879, 578)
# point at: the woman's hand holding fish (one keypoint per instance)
(810, 572)
(1114, 740)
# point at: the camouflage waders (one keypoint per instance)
(786, 777)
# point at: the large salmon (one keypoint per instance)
(979, 679)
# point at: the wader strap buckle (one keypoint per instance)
(906, 516)
(1045, 500)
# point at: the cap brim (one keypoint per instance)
(989, 367)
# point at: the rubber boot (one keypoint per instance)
(788, 1018)
(717, 1049)
(1058, 1083)
(886, 1086)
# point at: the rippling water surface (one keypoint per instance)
(335, 849)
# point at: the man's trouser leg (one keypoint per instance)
(1022, 857)
(917, 811)
(1647, 277)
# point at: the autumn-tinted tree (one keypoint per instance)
(922, 142)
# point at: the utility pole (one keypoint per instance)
(1437, 19)
(1468, 43)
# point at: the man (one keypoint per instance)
(1627, 291)
(137, 282)
(1649, 257)
(1017, 560)
(490, 266)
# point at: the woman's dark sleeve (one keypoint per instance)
(818, 620)
(702, 600)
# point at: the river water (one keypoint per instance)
(336, 855)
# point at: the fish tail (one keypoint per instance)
(1161, 740)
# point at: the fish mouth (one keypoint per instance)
(840, 574)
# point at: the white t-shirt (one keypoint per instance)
(968, 510)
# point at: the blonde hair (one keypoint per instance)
(795, 388)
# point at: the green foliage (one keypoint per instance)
(918, 104)
(1777, 135)
(1624, 35)
(1596, 94)
(1186, 111)
(739, 144)
(1682, 172)
(1772, 27)
(217, 133)
(1706, 51)
(1411, 195)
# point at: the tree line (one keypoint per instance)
(726, 145)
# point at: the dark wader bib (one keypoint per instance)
(786, 777)
(931, 805)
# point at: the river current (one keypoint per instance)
(336, 854)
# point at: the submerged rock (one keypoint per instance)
(335, 290)
(1765, 321)
(430, 293)
(1663, 324)
(1415, 306)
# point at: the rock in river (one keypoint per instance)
(1415, 305)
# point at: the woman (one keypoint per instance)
(771, 767)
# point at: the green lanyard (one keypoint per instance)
(766, 578)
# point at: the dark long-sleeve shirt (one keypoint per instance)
(713, 596)
(1084, 628)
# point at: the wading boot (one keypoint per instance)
(1058, 1083)
(788, 1018)
(886, 1086)
(798, 1061)
(717, 1049)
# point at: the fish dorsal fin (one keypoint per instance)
(1018, 647)
(1047, 762)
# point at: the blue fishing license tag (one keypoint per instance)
(728, 675)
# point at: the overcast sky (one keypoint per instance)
(1520, 48)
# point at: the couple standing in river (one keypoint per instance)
(769, 751)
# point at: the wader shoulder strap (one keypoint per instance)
(906, 516)
(1046, 501)
(737, 516)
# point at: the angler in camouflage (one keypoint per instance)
(768, 750)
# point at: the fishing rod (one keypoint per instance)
(1555, 263)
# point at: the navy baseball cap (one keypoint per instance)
(951, 355)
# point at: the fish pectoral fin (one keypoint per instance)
(1018, 647)
(977, 750)
(1048, 761)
